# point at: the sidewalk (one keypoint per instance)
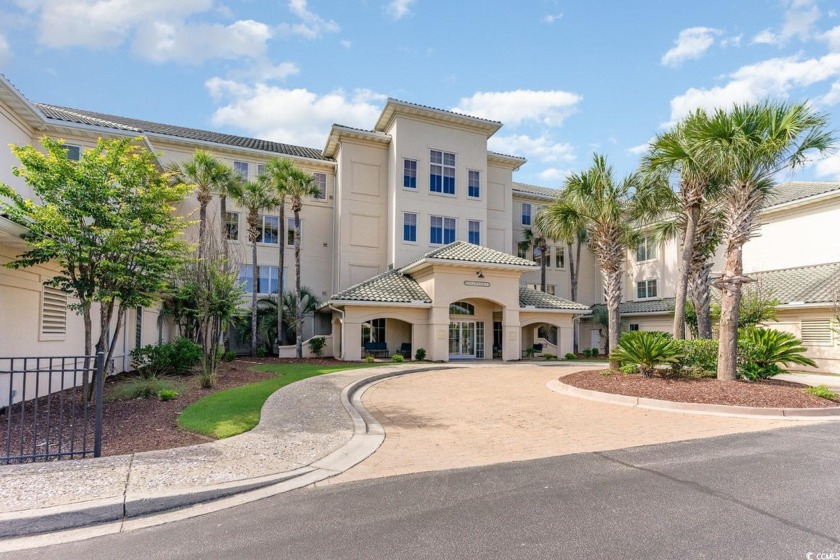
(813, 379)
(308, 431)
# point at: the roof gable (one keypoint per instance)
(541, 300)
(388, 287)
(461, 251)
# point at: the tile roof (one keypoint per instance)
(463, 251)
(784, 193)
(526, 189)
(805, 284)
(542, 300)
(388, 287)
(648, 306)
(122, 123)
(439, 110)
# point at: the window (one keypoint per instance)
(521, 251)
(646, 249)
(816, 332)
(53, 313)
(269, 233)
(261, 168)
(442, 172)
(560, 261)
(138, 328)
(409, 174)
(232, 225)
(474, 184)
(241, 168)
(290, 232)
(442, 230)
(267, 279)
(373, 331)
(410, 227)
(461, 308)
(538, 256)
(634, 326)
(474, 233)
(549, 288)
(646, 289)
(526, 214)
(74, 153)
(321, 183)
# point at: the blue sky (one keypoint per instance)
(565, 77)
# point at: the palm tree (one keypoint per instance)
(255, 197)
(677, 153)
(205, 173)
(604, 208)
(278, 172)
(267, 311)
(756, 143)
(533, 239)
(300, 184)
(222, 190)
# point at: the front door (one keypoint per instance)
(462, 339)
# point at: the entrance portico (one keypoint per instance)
(461, 301)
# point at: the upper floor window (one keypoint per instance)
(269, 232)
(410, 174)
(442, 230)
(646, 249)
(521, 251)
(261, 169)
(474, 232)
(442, 172)
(474, 184)
(409, 227)
(290, 232)
(560, 261)
(526, 214)
(232, 225)
(74, 153)
(241, 168)
(461, 308)
(267, 279)
(646, 289)
(321, 183)
(550, 289)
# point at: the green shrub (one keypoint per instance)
(821, 391)
(229, 356)
(177, 357)
(207, 380)
(646, 349)
(260, 352)
(370, 359)
(761, 351)
(549, 356)
(316, 345)
(398, 358)
(629, 369)
(143, 388)
(697, 358)
(586, 353)
(168, 394)
(607, 373)
(420, 354)
(570, 356)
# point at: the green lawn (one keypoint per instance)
(237, 410)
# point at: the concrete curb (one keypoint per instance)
(808, 414)
(25, 529)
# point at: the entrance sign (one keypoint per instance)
(476, 283)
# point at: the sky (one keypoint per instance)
(566, 77)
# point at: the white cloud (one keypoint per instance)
(553, 174)
(640, 149)
(734, 41)
(550, 107)
(541, 148)
(766, 37)
(161, 41)
(311, 26)
(295, 116)
(830, 98)
(346, 44)
(552, 18)
(769, 78)
(398, 9)
(799, 21)
(832, 37)
(829, 167)
(691, 43)
(5, 50)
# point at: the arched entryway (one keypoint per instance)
(384, 337)
(547, 336)
(475, 329)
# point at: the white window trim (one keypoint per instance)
(262, 229)
(648, 240)
(637, 298)
(326, 191)
(559, 251)
(455, 171)
(238, 226)
(443, 230)
(480, 188)
(530, 214)
(417, 168)
(248, 168)
(286, 231)
(416, 227)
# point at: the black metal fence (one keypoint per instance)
(45, 412)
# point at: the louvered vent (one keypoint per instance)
(817, 332)
(53, 313)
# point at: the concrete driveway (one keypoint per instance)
(483, 414)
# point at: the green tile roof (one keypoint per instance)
(534, 190)
(784, 193)
(467, 252)
(648, 306)
(389, 287)
(542, 300)
(806, 284)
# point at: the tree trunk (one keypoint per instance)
(112, 344)
(701, 297)
(202, 226)
(299, 303)
(255, 280)
(281, 277)
(573, 288)
(612, 283)
(88, 329)
(543, 249)
(685, 269)
(730, 286)
(223, 212)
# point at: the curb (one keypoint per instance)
(806, 414)
(22, 530)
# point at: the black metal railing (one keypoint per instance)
(45, 410)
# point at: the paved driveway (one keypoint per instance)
(485, 414)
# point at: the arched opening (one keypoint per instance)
(384, 337)
(475, 329)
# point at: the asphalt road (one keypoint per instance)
(767, 495)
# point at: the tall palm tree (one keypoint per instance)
(278, 171)
(204, 172)
(532, 239)
(300, 184)
(222, 190)
(676, 153)
(255, 197)
(566, 230)
(604, 208)
(756, 142)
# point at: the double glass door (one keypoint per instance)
(466, 339)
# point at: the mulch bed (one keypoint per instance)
(770, 393)
(130, 426)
